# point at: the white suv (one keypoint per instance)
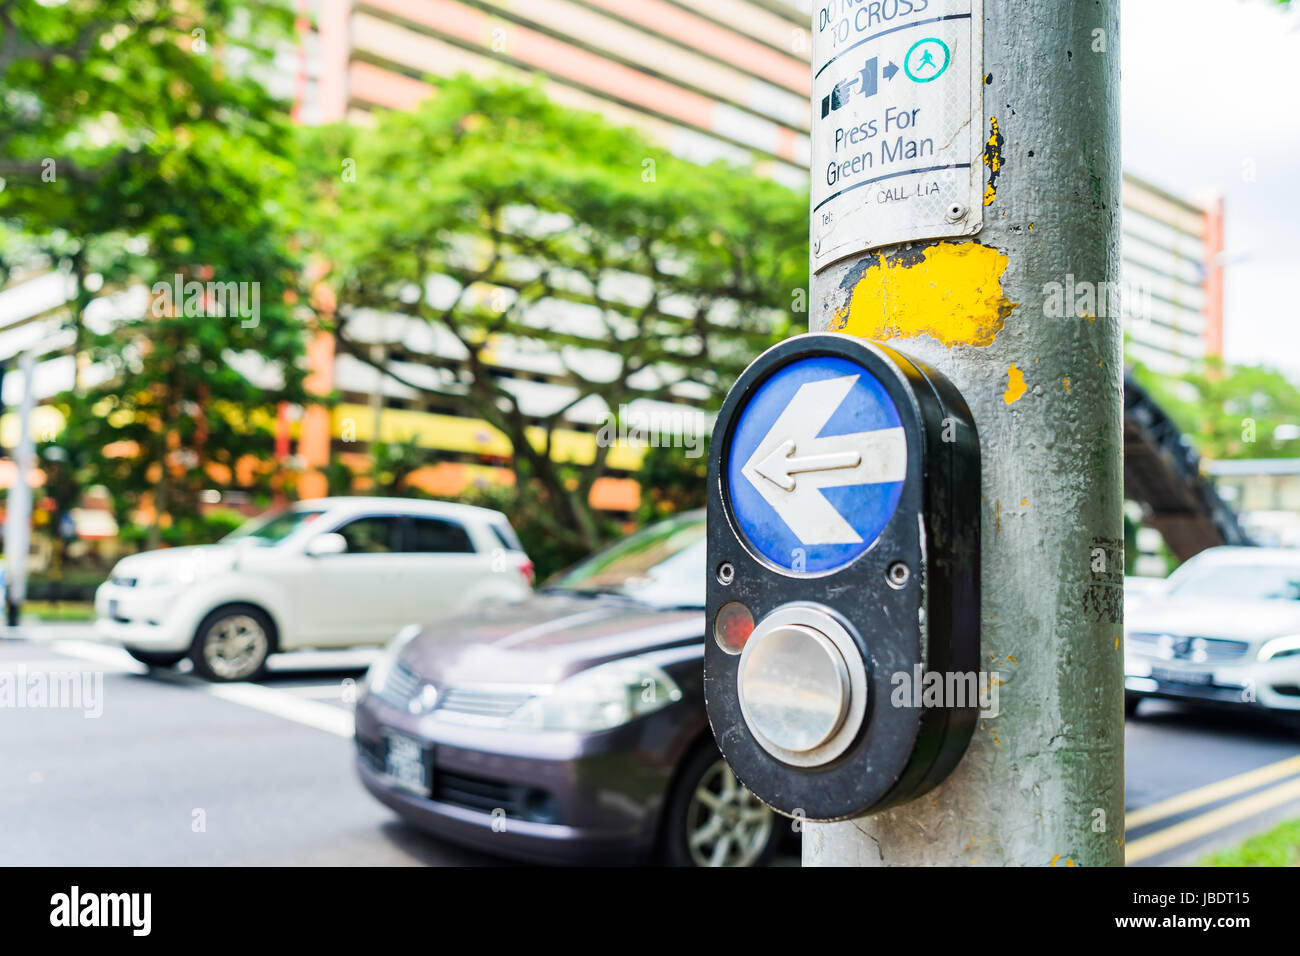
(330, 572)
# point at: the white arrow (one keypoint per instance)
(791, 447)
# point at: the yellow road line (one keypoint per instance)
(1212, 792)
(1199, 826)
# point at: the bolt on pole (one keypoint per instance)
(951, 239)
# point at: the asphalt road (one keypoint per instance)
(175, 771)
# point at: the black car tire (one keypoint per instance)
(1131, 702)
(738, 810)
(245, 621)
(156, 659)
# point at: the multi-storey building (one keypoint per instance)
(717, 79)
(1172, 256)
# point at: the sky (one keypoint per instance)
(1211, 103)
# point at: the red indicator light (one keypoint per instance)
(732, 627)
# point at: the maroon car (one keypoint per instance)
(570, 727)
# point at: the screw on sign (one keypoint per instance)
(844, 502)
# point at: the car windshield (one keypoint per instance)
(1239, 582)
(269, 530)
(663, 565)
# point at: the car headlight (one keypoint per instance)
(599, 698)
(379, 671)
(1288, 646)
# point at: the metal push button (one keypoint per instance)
(796, 687)
(802, 686)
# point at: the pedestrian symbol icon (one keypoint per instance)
(927, 60)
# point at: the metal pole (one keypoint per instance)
(18, 511)
(1018, 313)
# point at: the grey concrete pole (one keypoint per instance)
(1019, 314)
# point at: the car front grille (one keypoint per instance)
(484, 703)
(1200, 650)
(400, 687)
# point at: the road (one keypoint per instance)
(175, 771)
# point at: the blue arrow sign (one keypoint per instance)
(816, 465)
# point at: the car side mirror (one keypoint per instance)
(329, 543)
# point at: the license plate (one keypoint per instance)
(407, 764)
(112, 608)
(1168, 676)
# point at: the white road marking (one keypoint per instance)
(348, 659)
(334, 720)
(55, 665)
(332, 691)
(103, 654)
(279, 702)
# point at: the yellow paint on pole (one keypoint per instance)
(950, 291)
(1016, 386)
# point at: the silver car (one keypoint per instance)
(1224, 629)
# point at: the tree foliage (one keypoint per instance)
(139, 149)
(500, 218)
(1231, 411)
(130, 126)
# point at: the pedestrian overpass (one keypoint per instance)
(1162, 473)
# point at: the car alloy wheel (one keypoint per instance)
(726, 825)
(235, 647)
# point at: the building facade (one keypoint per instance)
(718, 79)
(1172, 258)
(707, 79)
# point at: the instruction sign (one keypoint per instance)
(897, 128)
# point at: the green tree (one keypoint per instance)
(501, 218)
(391, 464)
(140, 150)
(115, 119)
(672, 481)
(1231, 411)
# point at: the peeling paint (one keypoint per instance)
(950, 291)
(993, 160)
(1016, 386)
(1067, 385)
